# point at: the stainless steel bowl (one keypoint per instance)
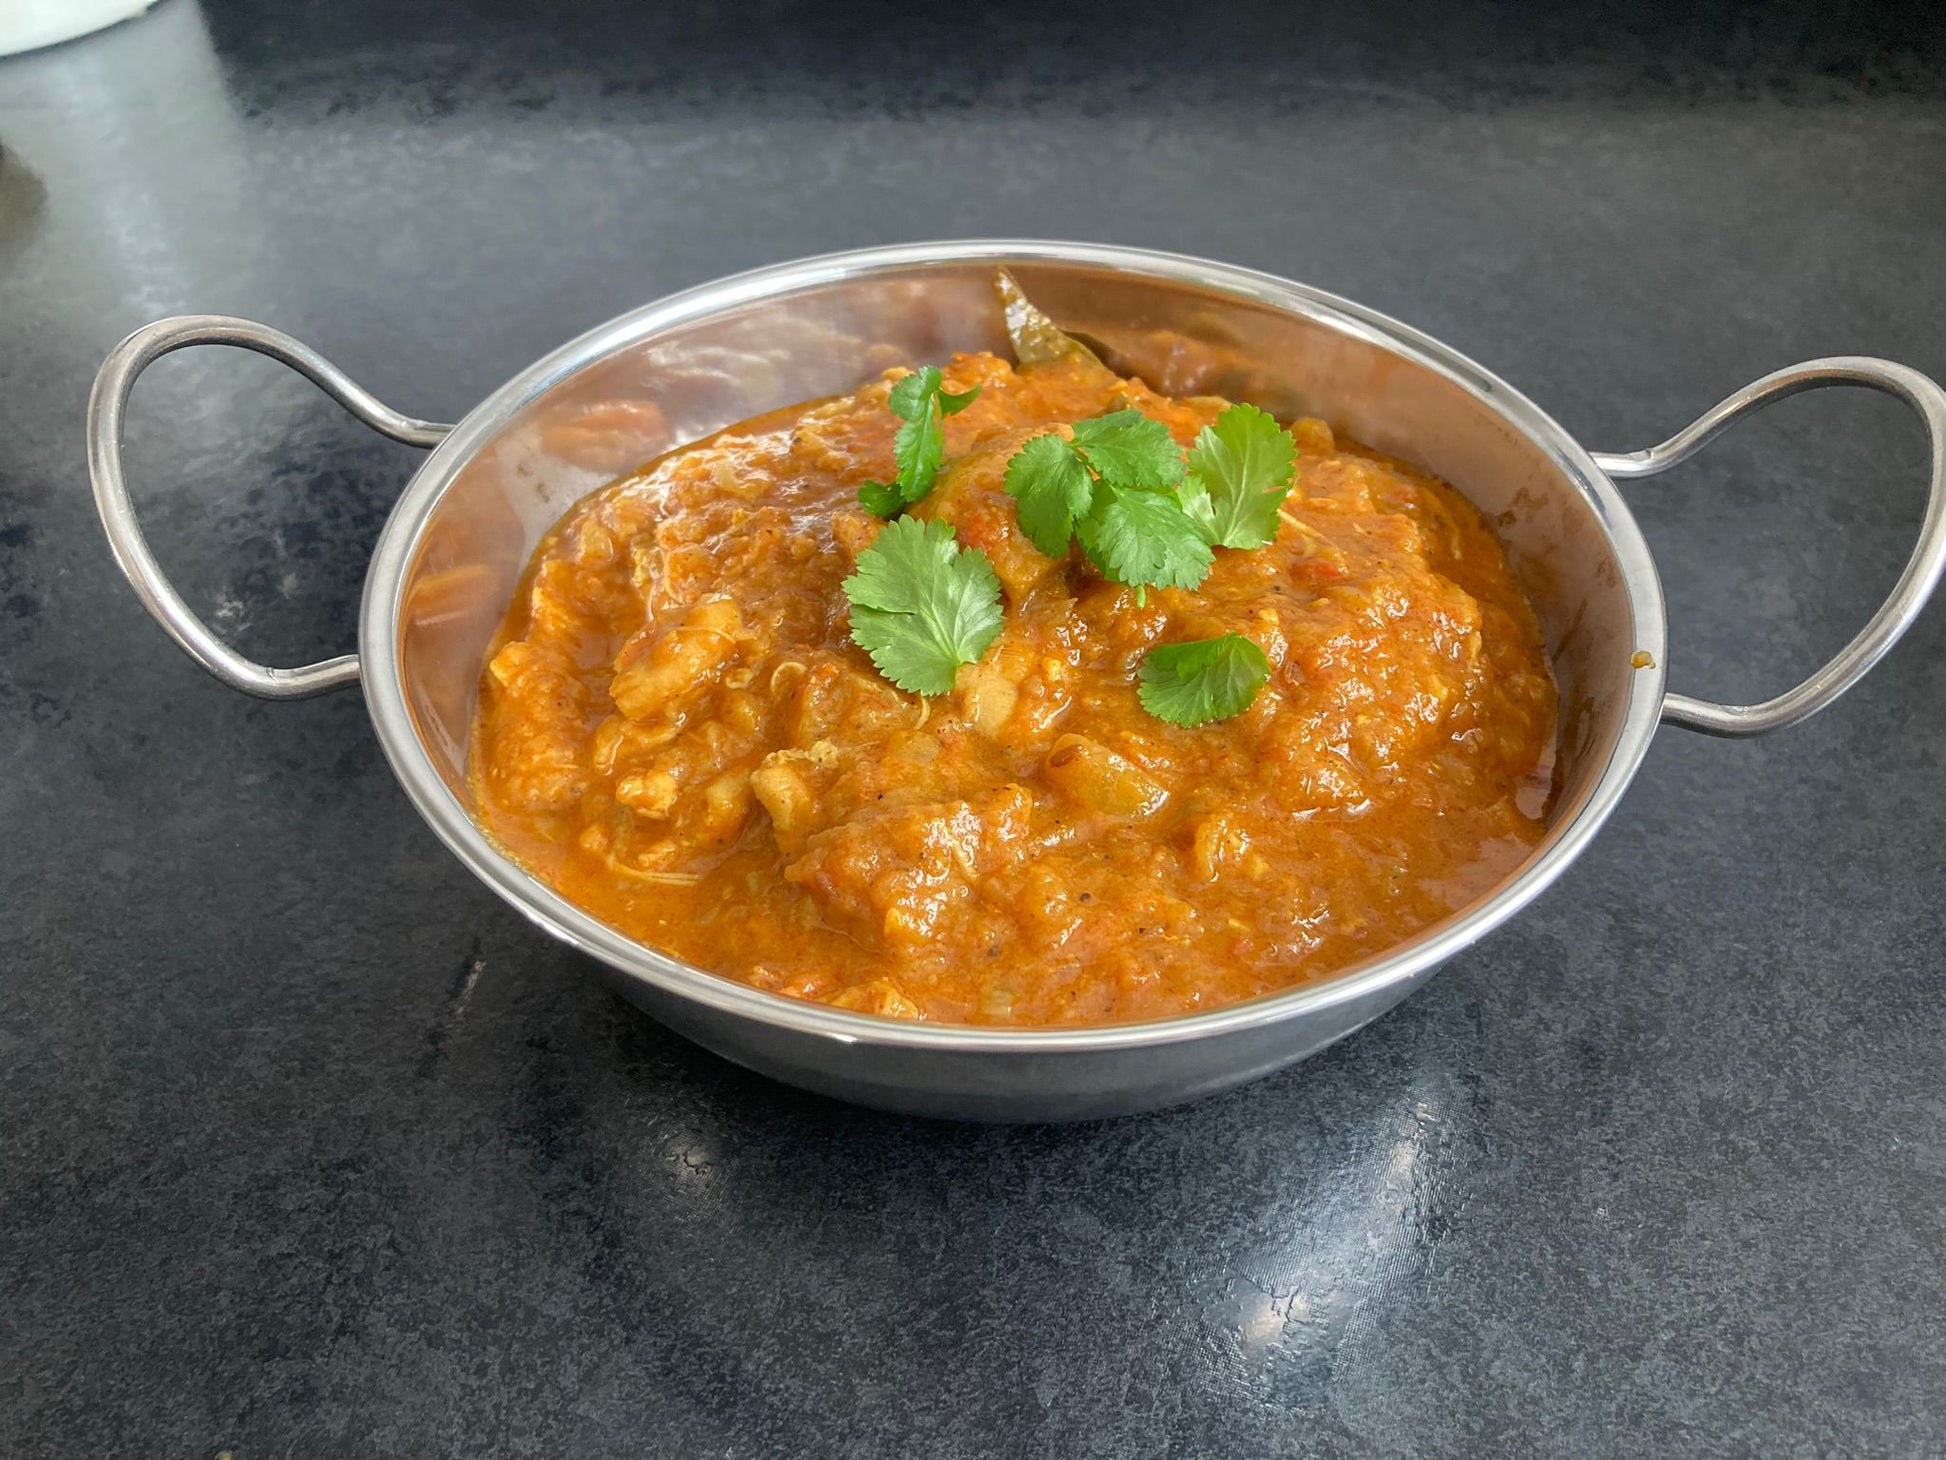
(463, 529)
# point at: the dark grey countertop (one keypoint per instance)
(307, 1144)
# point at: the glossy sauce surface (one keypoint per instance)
(677, 734)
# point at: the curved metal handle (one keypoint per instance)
(105, 407)
(1909, 594)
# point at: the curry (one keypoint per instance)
(678, 732)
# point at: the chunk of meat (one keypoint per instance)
(888, 876)
(786, 784)
(1098, 778)
(678, 664)
(880, 996)
(539, 760)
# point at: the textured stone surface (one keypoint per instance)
(308, 1144)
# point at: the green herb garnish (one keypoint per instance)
(1113, 486)
(1239, 474)
(1050, 488)
(1203, 680)
(922, 605)
(1145, 539)
(922, 402)
(1127, 449)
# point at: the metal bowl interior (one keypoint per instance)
(676, 370)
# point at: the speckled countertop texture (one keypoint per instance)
(309, 1145)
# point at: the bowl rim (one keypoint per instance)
(380, 643)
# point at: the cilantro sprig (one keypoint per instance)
(1127, 450)
(922, 605)
(1113, 486)
(1239, 474)
(923, 403)
(1144, 539)
(1146, 515)
(1202, 680)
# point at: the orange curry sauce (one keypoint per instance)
(677, 733)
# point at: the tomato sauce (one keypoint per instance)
(677, 734)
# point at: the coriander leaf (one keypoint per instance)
(1144, 539)
(952, 404)
(1127, 449)
(1194, 497)
(882, 499)
(919, 449)
(1239, 474)
(922, 605)
(1050, 488)
(911, 394)
(1203, 680)
(900, 560)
